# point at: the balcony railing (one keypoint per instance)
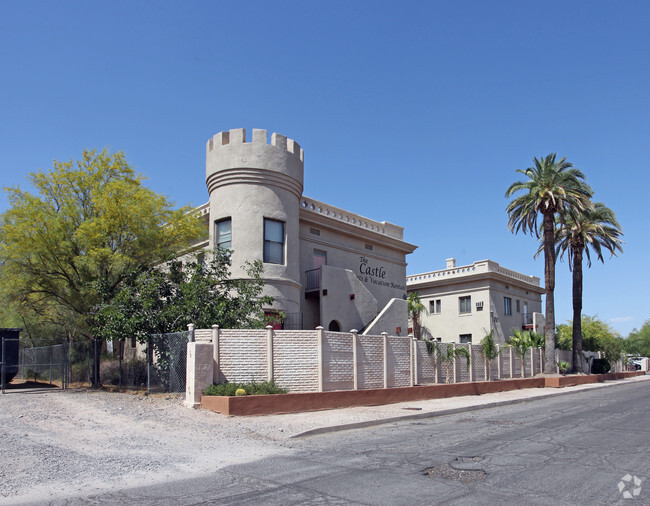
(313, 280)
(527, 320)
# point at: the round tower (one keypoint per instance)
(255, 189)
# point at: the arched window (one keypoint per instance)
(334, 326)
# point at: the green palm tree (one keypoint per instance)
(520, 342)
(415, 309)
(594, 229)
(449, 356)
(553, 189)
(489, 351)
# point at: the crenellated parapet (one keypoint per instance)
(230, 159)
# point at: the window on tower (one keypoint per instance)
(223, 234)
(273, 241)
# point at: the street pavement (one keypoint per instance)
(578, 445)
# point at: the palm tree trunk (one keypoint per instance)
(576, 333)
(549, 285)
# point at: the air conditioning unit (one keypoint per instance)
(479, 304)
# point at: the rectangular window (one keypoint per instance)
(320, 258)
(507, 306)
(465, 338)
(518, 305)
(435, 306)
(314, 231)
(369, 247)
(273, 241)
(465, 304)
(223, 234)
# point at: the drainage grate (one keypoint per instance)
(463, 469)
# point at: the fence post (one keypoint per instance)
(470, 365)
(532, 362)
(438, 364)
(512, 365)
(319, 338)
(190, 329)
(455, 364)
(355, 365)
(216, 370)
(149, 359)
(499, 361)
(541, 359)
(269, 352)
(2, 364)
(384, 336)
(414, 359)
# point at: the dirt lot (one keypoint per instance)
(57, 444)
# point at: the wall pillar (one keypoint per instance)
(319, 338)
(414, 359)
(512, 364)
(355, 365)
(384, 336)
(216, 369)
(499, 363)
(190, 329)
(198, 373)
(269, 352)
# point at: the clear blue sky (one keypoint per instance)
(418, 113)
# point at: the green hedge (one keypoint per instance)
(252, 388)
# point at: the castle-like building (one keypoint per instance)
(323, 265)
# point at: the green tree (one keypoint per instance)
(638, 342)
(158, 301)
(592, 229)
(521, 341)
(553, 189)
(87, 224)
(415, 310)
(596, 336)
(490, 351)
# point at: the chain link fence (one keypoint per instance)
(158, 365)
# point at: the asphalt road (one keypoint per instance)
(572, 449)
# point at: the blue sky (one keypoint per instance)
(418, 113)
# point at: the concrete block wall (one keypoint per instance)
(295, 360)
(242, 355)
(398, 361)
(338, 367)
(426, 364)
(370, 362)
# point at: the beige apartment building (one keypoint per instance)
(464, 303)
(323, 265)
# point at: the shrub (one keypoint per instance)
(600, 366)
(251, 388)
(563, 366)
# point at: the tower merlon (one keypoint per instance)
(259, 136)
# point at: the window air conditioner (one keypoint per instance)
(479, 304)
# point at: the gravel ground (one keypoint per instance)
(58, 444)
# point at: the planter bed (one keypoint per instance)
(314, 401)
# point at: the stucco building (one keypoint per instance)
(323, 265)
(464, 303)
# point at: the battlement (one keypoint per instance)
(237, 136)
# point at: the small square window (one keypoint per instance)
(369, 247)
(465, 338)
(435, 306)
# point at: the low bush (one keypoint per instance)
(251, 388)
(600, 366)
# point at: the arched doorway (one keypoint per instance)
(334, 326)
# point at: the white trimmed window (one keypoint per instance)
(465, 304)
(223, 234)
(273, 241)
(435, 306)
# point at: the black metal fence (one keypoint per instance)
(157, 365)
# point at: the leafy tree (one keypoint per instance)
(415, 310)
(592, 229)
(521, 341)
(87, 224)
(596, 336)
(553, 189)
(489, 351)
(638, 342)
(158, 301)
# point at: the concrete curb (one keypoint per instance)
(454, 411)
